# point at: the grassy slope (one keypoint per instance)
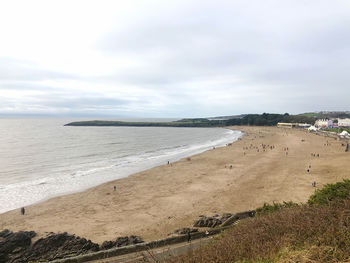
(315, 232)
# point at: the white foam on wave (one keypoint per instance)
(25, 193)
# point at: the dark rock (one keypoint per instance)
(225, 220)
(17, 247)
(62, 245)
(185, 230)
(12, 245)
(107, 245)
(207, 222)
(121, 242)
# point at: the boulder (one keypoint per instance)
(122, 241)
(13, 245)
(225, 220)
(18, 248)
(61, 245)
(183, 231)
(207, 222)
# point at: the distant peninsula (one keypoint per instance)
(179, 123)
(265, 119)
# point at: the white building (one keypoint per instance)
(324, 123)
(312, 129)
(344, 122)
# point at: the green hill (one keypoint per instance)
(265, 119)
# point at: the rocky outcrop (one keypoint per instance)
(225, 220)
(14, 245)
(18, 247)
(122, 241)
(61, 245)
(207, 221)
(183, 231)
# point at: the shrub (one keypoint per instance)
(321, 233)
(330, 192)
(287, 232)
(267, 208)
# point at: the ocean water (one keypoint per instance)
(42, 158)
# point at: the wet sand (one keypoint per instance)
(155, 202)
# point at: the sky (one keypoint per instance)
(149, 58)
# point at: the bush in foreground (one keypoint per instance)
(268, 208)
(330, 192)
(287, 233)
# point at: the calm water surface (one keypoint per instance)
(41, 158)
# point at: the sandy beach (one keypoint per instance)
(158, 201)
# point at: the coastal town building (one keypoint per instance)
(324, 123)
(344, 122)
(344, 134)
(312, 129)
(285, 125)
(293, 125)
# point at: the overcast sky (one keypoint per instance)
(173, 58)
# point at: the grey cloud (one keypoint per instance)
(82, 101)
(227, 57)
(230, 39)
(18, 70)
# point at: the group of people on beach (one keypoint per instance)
(264, 148)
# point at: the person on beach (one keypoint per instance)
(23, 210)
(115, 188)
(189, 236)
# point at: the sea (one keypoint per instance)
(41, 158)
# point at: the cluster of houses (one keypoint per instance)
(340, 123)
(321, 124)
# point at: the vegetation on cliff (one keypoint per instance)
(328, 114)
(318, 231)
(265, 119)
(179, 123)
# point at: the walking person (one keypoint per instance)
(189, 236)
(23, 211)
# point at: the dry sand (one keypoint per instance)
(155, 202)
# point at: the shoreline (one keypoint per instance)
(155, 202)
(121, 169)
